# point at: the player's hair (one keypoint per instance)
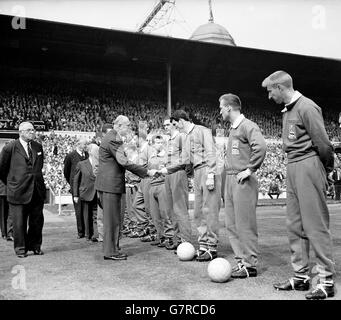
(179, 114)
(278, 77)
(232, 100)
(120, 120)
(156, 136)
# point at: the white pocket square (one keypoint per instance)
(39, 153)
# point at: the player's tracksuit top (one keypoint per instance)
(174, 149)
(155, 160)
(304, 134)
(199, 150)
(246, 147)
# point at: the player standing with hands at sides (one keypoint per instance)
(200, 151)
(310, 160)
(176, 185)
(245, 154)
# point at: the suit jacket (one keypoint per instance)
(2, 189)
(70, 163)
(84, 181)
(21, 176)
(112, 165)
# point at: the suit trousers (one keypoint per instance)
(176, 186)
(337, 191)
(158, 210)
(31, 239)
(79, 217)
(206, 208)
(123, 211)
(240, 214)
(308, 216)
(111, 203)
(6, 225)
(99, 220)
(90, 218)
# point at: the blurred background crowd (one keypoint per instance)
(75, 108)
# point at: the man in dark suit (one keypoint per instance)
(21, 163)
(5, 221)
(110, 183)
(84, 191)
(105, 129)
(70, 163)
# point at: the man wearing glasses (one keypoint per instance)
(21, 163)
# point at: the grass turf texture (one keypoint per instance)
(74, 268)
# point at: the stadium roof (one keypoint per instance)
(197, 68)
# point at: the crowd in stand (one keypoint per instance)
(274, 166)
(56, 147)
(72, 110)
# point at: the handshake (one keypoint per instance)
(153, 173)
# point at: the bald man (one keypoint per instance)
(84, 191)
(70, 163)
(110, 183)
(21, 163)
(310, 161)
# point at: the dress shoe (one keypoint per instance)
(10, 238)
(22, 255)
(244, 272)
(123, 254)
(206, 255)
(38, 252)
(80, 236)
(118, 256)
(93, 239)
(322, 291)
(295, 283)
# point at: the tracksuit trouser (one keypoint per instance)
(176, 186)
(206, 208)
(240, 214)
(308, 217)
(158, 211)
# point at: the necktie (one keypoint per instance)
(29, 149)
